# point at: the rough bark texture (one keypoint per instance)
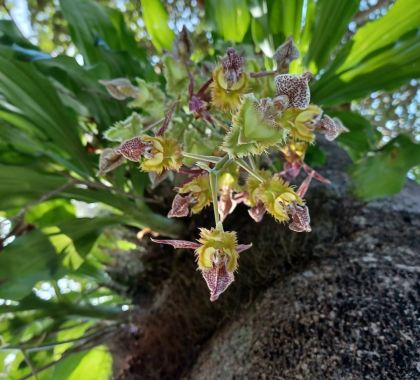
(338, 303)
(350, 313)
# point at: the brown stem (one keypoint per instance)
(260, 74)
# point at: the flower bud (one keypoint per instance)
(120, 88)
(285, 53)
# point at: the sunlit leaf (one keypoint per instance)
(331, 21)
(95, 364)
(231, 18)
(156, 21)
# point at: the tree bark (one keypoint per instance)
(338, 303)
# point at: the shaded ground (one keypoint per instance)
(338, 303)
(351, 313)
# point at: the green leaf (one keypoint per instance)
(19, 185)
(384, 173)
(24, 262)
(231, 18)
(83, 87)
(402, 17)
(387, 70)
(315, 156)
(125, 129)
(176, 77)
(95, 364)
(22, 85)
(50, 213)
(331, 21)
(156, 21)
(383, 54)
(362, 136)
(285, 18)
(96, 30)
(10, 34)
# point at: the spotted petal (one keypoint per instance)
(300, 219)
(296, 88)
(180, 206)
(331, 128)
(133, 149)
(218, 280)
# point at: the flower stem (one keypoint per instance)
(200, 157)
(213, 189)
(245, 166)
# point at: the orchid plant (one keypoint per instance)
(221, 140)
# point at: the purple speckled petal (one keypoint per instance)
(296, 88)
(331, 128)
(301, 221)
(133, 149)
(218, 280)
(180, 206)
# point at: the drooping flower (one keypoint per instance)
(229, 81)
(296, 88)
(224, 97)
(301, 123)
(198, 190)
(252, 185)
(331, 127)
(163, 154)
(217, 254)
(232, 66)
(294, 154)
(258, 211)
(277, 195)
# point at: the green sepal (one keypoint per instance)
(251, 131)
(176, 77)
(150, 98)
(125, 129)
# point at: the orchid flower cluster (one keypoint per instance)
(221, 140)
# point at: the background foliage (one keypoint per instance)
(63, 228)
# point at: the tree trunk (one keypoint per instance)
(338, 303)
